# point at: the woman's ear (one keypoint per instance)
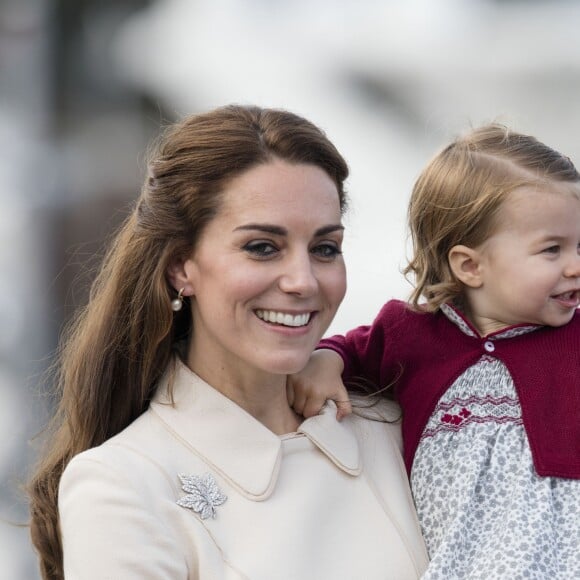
(465, 263)
(180, 276)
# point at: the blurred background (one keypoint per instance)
(85, 85)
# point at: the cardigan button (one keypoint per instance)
(489, 346)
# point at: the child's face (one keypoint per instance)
(530, 266)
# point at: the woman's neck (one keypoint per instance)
(260, 394)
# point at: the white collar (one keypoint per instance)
(234, 443)
(461, 321)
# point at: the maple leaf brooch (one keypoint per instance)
(204, 495)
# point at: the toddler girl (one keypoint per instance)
(484, 360)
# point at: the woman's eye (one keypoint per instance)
(260, 249)
(326, 251)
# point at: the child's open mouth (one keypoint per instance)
(569, 299)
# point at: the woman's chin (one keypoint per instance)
(288, 366)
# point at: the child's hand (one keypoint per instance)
(319, 381)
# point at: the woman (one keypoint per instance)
(181, 455)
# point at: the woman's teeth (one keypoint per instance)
(284, 319)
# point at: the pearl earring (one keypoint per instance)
(177, 303)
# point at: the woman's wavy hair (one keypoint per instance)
(112, 355)
(458, 196)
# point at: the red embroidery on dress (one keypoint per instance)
(456, 419)
(494, 410)
(476, 400)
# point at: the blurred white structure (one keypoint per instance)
(389, 81)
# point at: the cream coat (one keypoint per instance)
(328, 502)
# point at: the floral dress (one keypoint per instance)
(484, 512)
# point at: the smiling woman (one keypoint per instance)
(175, 452)
(267, 277)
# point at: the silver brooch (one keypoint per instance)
(204, 494)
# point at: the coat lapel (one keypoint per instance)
(234, 444)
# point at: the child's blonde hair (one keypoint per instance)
(458, 195)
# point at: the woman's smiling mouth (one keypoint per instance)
(284, 319)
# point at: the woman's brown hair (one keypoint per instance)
(457, 197)
(113, 354)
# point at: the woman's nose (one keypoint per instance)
(299, 276)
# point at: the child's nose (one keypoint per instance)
(573, 267)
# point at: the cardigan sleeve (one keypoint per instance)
(108, 530)
(369, 351)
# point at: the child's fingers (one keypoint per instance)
(342, 401)
(299, 402)
(312, 406)
(344, 408)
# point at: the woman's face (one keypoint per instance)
(267, 275)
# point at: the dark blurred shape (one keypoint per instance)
(72, 140)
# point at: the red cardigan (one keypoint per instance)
(427, 352)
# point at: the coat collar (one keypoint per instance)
(236, 445)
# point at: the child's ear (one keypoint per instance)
(465, 263)
(180, 275)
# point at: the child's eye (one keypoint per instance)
(551, 249)
(260, 248)
(326, 251)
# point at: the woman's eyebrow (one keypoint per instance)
(280, 231)
(267, 228)
(329, 229)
